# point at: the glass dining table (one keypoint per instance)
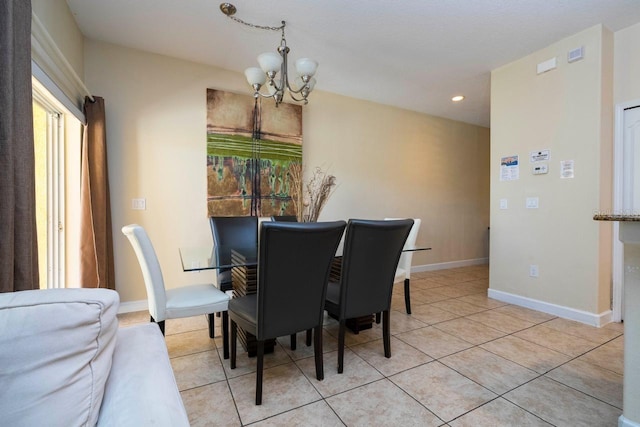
(244, 264)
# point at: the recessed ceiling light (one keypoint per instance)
(457, 98)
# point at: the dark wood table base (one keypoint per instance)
(245, 282)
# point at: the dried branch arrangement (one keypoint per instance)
(310, 200)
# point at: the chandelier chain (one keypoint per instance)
(261, 27)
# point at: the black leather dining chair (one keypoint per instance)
(232, 231)
(369, 260)
(293, 270)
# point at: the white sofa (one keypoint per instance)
(65, 362)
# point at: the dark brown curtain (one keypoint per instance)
(96, 238)
(18, 238)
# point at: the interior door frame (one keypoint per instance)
(618, 180)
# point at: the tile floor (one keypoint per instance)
(461, 359)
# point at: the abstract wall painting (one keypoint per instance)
(251, 148)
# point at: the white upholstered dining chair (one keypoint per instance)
(186, 301)
(403, 272)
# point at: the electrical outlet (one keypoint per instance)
(533, 270)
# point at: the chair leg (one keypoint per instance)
(317, 351)
(233, 338)
(294, 338)
(407, 295)
(308, 342)
(386, 334)
(341, 332)
(259, 369)
(225, 335)
(160, 324)
(212, 324)
(378, 318)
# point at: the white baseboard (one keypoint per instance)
(131, 306)
(557, 310)
(450, 264)
(626, 422)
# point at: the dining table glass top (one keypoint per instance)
(198, 258)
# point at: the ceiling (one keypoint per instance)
(413, 54)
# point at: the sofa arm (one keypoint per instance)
(141, 389)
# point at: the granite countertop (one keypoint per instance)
(600, 217)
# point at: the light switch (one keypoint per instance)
(504, 204)
(139, 204)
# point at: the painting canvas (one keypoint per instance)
(250, 153)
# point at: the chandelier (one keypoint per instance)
(273, 69)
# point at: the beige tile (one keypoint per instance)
(350, 338)
(403, 356)
(615, 326)
(381, 403)
(428, 283)
(402, 322)
(246, 364)
(357, 372)
(135, 317)
(317, 414)
(498, 412)
(197, 369)
(482, 300)
(591, 333)
(442, 390)
(188, 324)
(608, 356)
(284, 388)
(563, 406)
(329, 344)
(457, 290)
(434, 342)
(430, 314)
(489, 370)
(458, 307)
(428, 296)
(468, 330)
(527, 354)
(525, 313)
(555, 340)
(592, 380)
(189, 343)
(210, 406)
(501, 322)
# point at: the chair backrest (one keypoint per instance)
(237, 231)
(151, 272)
(285, 218)
(406, 258)
(293, 271)
(370, 258)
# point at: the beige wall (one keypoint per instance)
(627, 64)
(568, 111)
(388, 162)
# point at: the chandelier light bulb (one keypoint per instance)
(270, 62)
(306, 67)
(255, 76)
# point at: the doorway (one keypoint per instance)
(57, 136)
(626, 198)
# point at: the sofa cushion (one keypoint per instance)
(56, 348)
(141, 390)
